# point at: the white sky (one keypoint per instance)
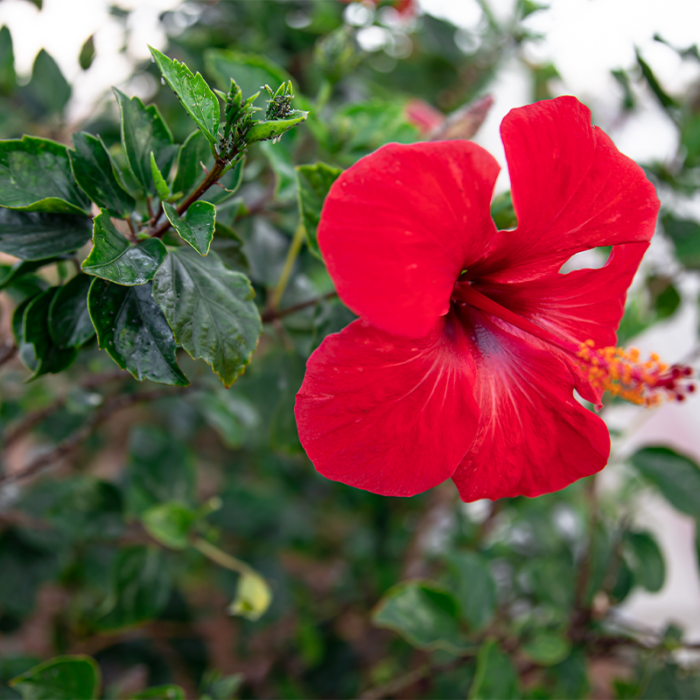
(585, 39)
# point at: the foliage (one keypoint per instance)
(183, 234)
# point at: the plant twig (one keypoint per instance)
(71, 443)
(273, 314)
(292, 254)
(396, 685)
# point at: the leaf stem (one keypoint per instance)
(220, 557)
(292, 254)
(273, 314)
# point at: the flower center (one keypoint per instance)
(610, 369)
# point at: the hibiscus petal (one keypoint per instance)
(387, 413)
(572, 190)
(534, 437)
(399, 226)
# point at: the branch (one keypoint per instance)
(71, 443)
(581, 614)
(273, 314)
(31, 420)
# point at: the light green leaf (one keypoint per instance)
(193, 92)
(93, 169)
(473, 588)
(675, 475)
(210, 310)
(274, 128)
(132, 329)
(196, 226)
(423, 613)
(113, 258)
(60, 678)
(253, 596)
(162, 189)
(35, 175)
(144, 132)
(141, 587)
(8, 78)
(547, 648)
(48, 89)
(169, 523)
(160, 692)
(496, 677)
(70, 325)
(314, 182)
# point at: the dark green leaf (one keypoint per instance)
(115, 259)
(144, 132)
(193, 92)
(10, 274)
(38, 351)
(274, 128)
(159, 469)
(571, 676)
(210, 310)
(676, 476)
(141, 588)
(280, 157)
(667, 302)
(48, 87)
(169, 523)
(8, 79)
(647, 561)
(87, 53)
(61, 678)
(194, 153)
(503, 213)
(424, 614)
(629, 101)
(473, 587)
(230, 415)
(248, 70)
(496, 677)
(35, 175)
(132, 329)
(196, 226)
(664, 99)
(685, 234)
(314, 183)
(69, 320)
(42, 236)
(94, 171)
(690, 138)
(162, 189)
(228, 245)
(160, 692)
(547, 648)
(671, 682)
(26, 287)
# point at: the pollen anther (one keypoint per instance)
(621, 372)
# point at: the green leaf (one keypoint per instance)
(274, 128)
(196, 226)
(38, 351)
(113, 258)
(423, 613)
(232, 416)
(35, 175)
(194, 153)
(664, 99)
(473, 588)
(690, 138)
(496, 677)
(70, 325)
(144, 132)
(227, 186)
(228, 245)
(675, 475)
(8, 78)
(160, 692)
(250, 71)
(87, 52)
(42, 236)
(159, 469)
(210, 310)
(685, 234)
(61, 678)
(95, 173)
(132, 329)
(647, 560)
(253, 596)
(162, 189)
(48, 88)
(10, 274)
(314, 182)
(193, 92)
(571, 676)
(503, 213)
(280, 158)
(141, 587)
(169, 523)
(547, 648)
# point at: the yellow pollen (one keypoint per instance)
(620, 372)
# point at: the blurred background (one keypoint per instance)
(331, 552)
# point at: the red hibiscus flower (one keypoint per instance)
(471, 343)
